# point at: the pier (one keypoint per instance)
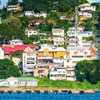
(46, 91)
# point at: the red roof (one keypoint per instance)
(12, 48)
(38, 20)
(62, 14)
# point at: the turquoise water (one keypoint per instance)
(31, 96)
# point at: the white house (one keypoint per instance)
(58, 32)
(1, 53)
(90, 8)
(85, 13)
(29, 13)
(59, 60)
(58, 73)
(58, 41)
(80, 34)
(32, 13)
(71, 74)
(18, 82)
(29, 61)
(16, 42)
(72, 30)
(78, 53)
(30, 32)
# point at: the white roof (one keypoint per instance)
(52, 48)
(12, 79)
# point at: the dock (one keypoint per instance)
(46, 91)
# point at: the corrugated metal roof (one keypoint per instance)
(26, 79)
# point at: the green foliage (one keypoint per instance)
(88, 70)
(17, 53)
(44, 41)
(46, 82)
(88, 25)
(87, 38)
(8, 69)
(13, 2)
(27, 41)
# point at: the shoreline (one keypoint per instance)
(47, 90)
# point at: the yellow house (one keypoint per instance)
(55, 52)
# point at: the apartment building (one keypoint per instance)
(77, 53)
(58, 73)
(29, 61)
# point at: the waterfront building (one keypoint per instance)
(58, 32)
(29, 61)
(1, 53)
(42, 69)
(16, 42)
(58, 73)
(71, 74)
(18, 82)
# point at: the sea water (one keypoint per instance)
(49, 96)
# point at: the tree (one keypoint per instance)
(17, 53)
(88, 70)
(8, 69)
(27, 41)
(13, 2)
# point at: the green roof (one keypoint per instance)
(26, 79)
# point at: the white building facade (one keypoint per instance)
(29, 62)
(58, 32)
(30, 32)
(1, 53)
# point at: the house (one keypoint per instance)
(1, 53)
(80, 34)
(39, 14)
(85, 13)
(49, 52)
(29, 61)
(63, 17)
(14, 7)
(42, 69)
(58, 73)
(58, 41)
(71, 74)
(16, 42)
(18, 82)
(75, 54)
(87, 7)
(72, 30)
(58, 32)
(12, 48)
(31, 31)
(29, 13)
(36, 22)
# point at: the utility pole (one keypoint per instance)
(76, 22)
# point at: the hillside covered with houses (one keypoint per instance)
(53, 39)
